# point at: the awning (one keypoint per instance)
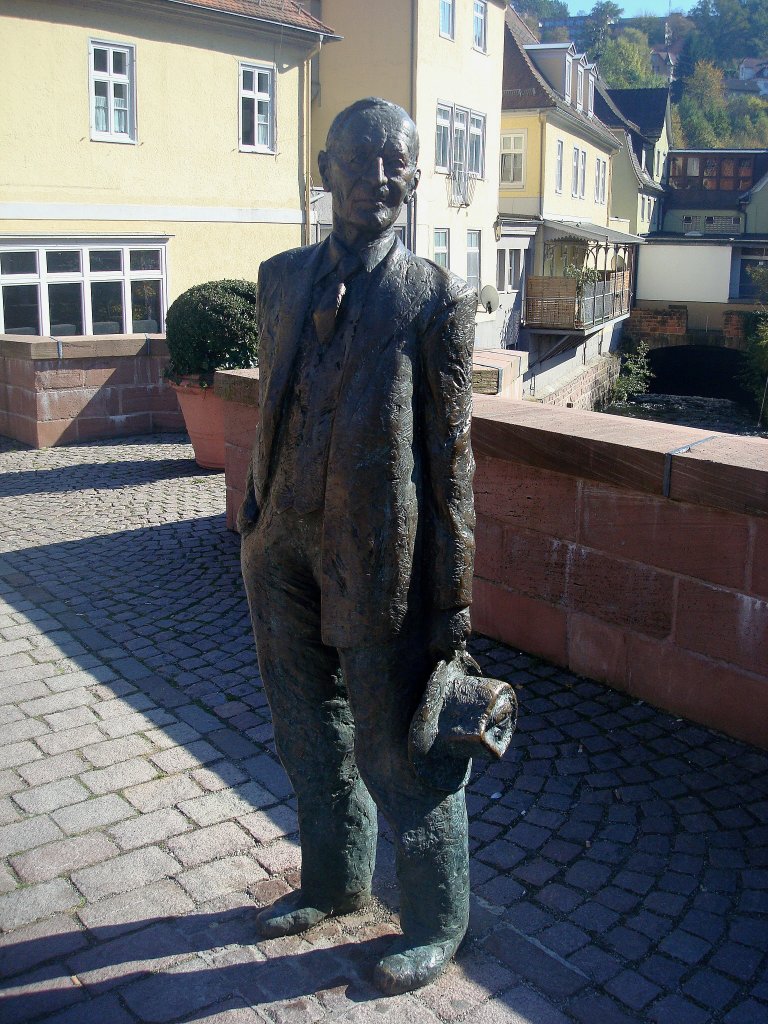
(555, 229)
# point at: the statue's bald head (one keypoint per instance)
(378, 111)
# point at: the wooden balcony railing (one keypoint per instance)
(564, 303)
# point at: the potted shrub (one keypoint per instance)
(209, 327)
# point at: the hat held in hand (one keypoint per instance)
(463, 715)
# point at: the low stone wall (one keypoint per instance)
(670, 324)
(600, 550)
(591, 389)
(52, 392)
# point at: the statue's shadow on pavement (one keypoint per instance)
(211, 960)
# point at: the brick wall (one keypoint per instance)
(590, 390)
(583, 559)
(648, 324)
(734, 325)
(86, 388)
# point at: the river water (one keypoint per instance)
(720, 415)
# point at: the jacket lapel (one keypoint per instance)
(291, 302)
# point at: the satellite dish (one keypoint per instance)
(489, 298)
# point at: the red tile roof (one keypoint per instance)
(279, 12)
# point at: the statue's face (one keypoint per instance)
(370, 171)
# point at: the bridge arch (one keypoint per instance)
(707, 370)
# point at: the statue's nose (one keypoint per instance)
(374, 171)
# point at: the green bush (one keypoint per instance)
(210, 327)
(635, 376)
(755, 374)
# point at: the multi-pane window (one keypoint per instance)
(591, 97)
(600, 175)
(575, 172)
(443, 138)
(583, 174)
(480, 25)
(728, 172)
(72, 288)
(441, 247)
(567, 81)
(460, 141)
(559, 166)
(580, 88)
(473, 259)
(512, 169)
(515, 269)
(476, 152)
(257, 119)
(112, 92)
(446, 18)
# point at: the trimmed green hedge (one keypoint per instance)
(210, 327)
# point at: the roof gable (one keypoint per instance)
(647, 108)
(289, 13)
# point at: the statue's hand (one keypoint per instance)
(449, 632)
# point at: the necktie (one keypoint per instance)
(327, 308)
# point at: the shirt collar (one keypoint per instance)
(370, 255)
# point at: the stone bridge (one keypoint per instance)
(669, 328)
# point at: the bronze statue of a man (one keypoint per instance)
(358, 544)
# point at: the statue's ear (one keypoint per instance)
(414, 185)
(323, 162)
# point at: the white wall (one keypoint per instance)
(681, 272)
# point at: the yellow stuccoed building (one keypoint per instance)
(146, 147)
(442, 61)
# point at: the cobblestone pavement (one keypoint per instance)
(618, 853)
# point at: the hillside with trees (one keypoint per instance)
(710, 40)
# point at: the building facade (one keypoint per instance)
(441, 61)
(564, 263)
(169, 148)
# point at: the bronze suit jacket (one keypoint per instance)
(398, 515)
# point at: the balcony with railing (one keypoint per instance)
(567, 303)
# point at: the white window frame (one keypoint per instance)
(444, 121)
(603, 179)
(448, 6)
(471, 250)
(112, 79)
(559, 156)
(476, 143)
(480, 20)
(591, 96)
(513, 144)
(442, 247)
(85, 277)
(642, 209)
(579, 88)
(600, 176)
(575, 172)
(583, 174)
(460, 123)
(568, 83)
(501, 270)
(257, 96)
(598, 161)
(515, 270)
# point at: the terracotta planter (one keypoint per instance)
(203, 413)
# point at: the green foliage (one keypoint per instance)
(625, 63)
(635, 376)
(210, 327)
(755, 375)
(709, 119)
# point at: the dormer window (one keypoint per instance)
(568, 74)
(580, 89)
(591, 97)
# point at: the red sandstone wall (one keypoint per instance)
(48, 401)
(582, 560)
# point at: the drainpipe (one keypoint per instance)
(410, 210)
(542, 180)
(307, 232)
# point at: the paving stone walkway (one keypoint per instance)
(619, 854)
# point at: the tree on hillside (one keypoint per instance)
(703, 108)
(625, 63)
(595, 33)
